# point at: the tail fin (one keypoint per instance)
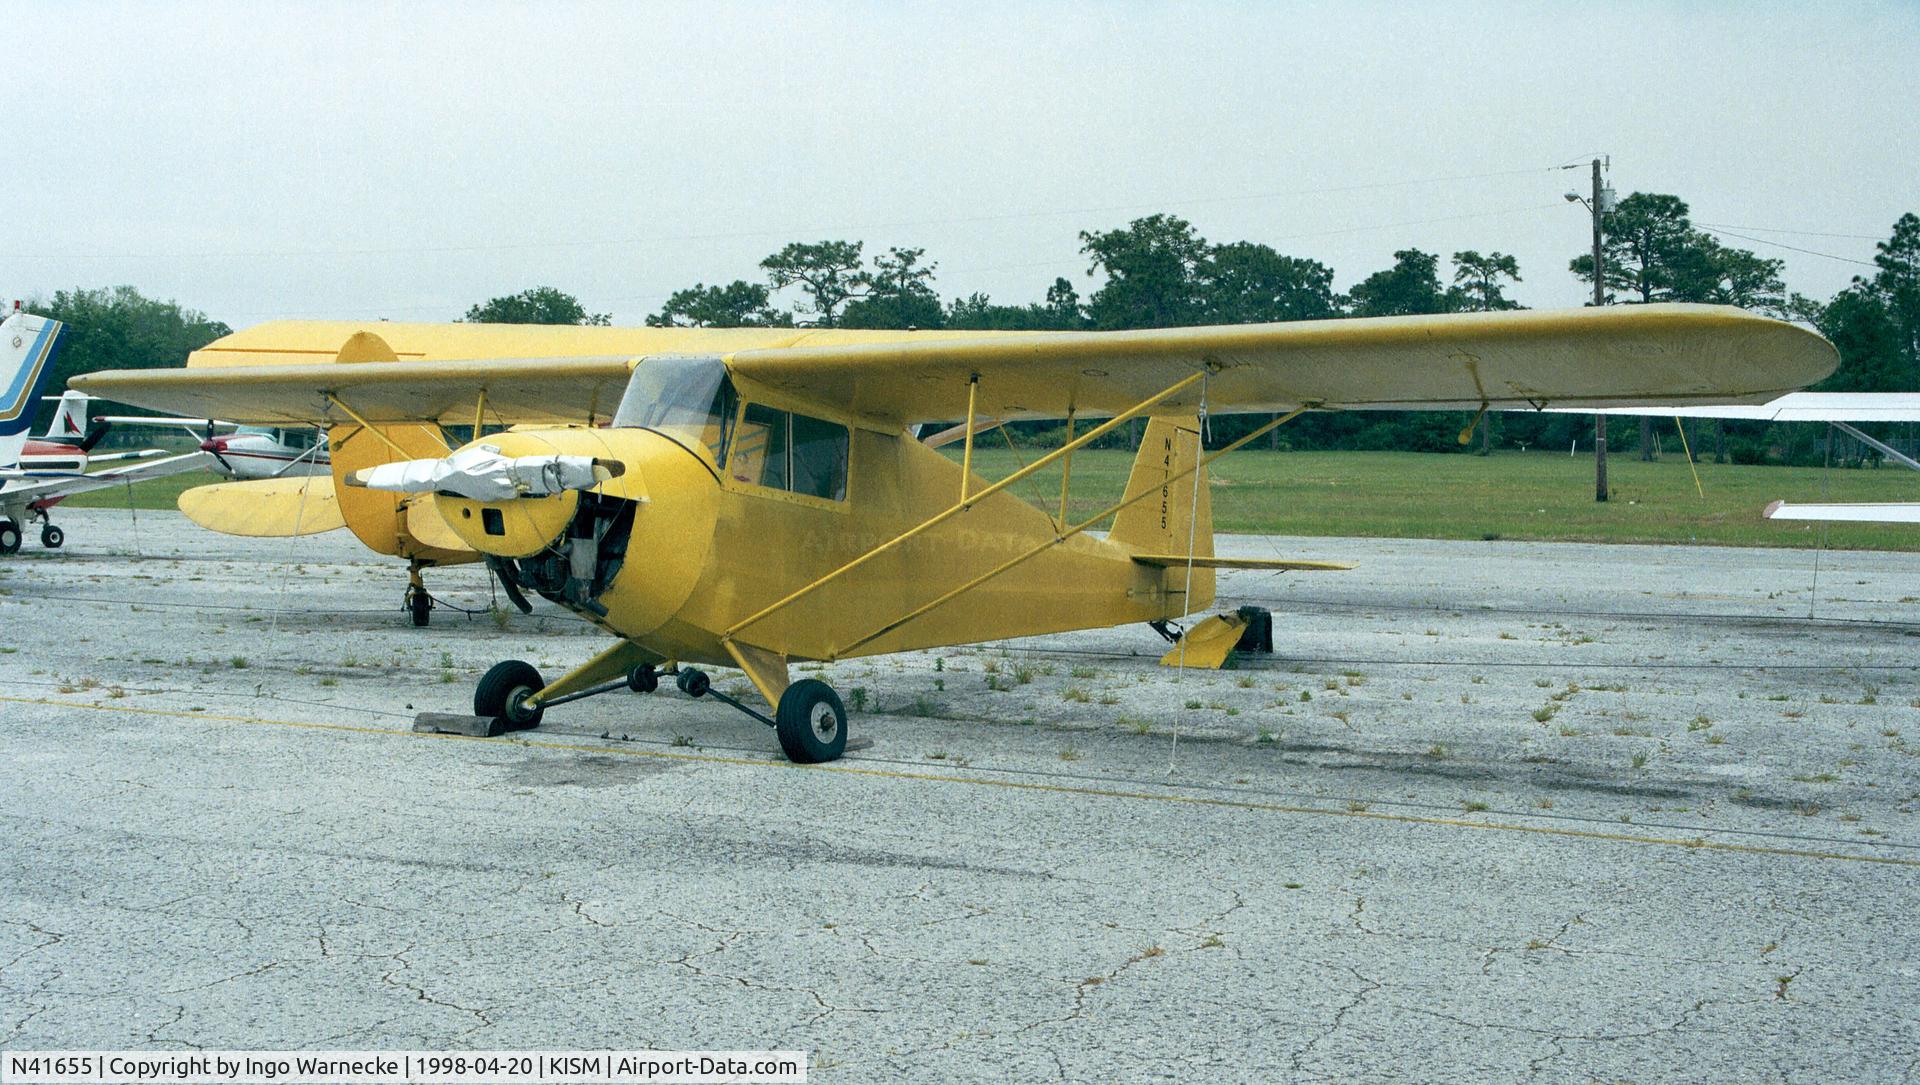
(69, 423)
(1179, 514)
(28, 346)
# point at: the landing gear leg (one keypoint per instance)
(418, 602)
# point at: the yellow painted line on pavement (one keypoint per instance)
(1691, 843)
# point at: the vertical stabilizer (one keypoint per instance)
(28, 346)
(69, 424)
(1179, 508)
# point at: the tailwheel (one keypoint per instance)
(503, 692)
(9, 537)
(52, 537)
(811, 722)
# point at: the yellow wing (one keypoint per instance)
(1595, 357)
(1642, 354)
(265, 508)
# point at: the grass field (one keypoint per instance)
(1515, 495)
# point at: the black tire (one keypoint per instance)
(693, 683)
(420, 605)
(502, 689)
(52, 537)
(811, 723)
(9, 537)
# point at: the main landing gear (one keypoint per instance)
(12, 534)
(417, 600)
(810, 721)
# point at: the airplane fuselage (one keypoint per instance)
(678, 549)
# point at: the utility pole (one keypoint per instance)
(1599, 298)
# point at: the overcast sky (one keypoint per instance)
(363, 161)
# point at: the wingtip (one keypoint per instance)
(1772, 508)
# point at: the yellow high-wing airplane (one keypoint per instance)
(759, 496)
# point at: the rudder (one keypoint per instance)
(1179, 513)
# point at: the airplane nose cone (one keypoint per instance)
(214, 444)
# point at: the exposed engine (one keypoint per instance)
(577, 567)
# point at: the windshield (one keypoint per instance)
(688, 399)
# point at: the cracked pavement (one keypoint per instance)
(220, 832)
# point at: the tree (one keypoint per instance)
(1411, 285)
(1060, 312)
(1707, 271)
(1153, 270)
(739, 304)
(1477, 281)
(897, 294)
(1247, 283)
(1859, 324)
(1642, 239)
(1897, 284)
(829, 273)
(119, 328)
(539, 305)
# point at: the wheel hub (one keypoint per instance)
(825, 723)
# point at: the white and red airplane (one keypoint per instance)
(29, 489)
(246, 452)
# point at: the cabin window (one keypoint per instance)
(786, 451)
(688, 400)
(760, 456)
(819, 458)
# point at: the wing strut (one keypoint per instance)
(1886, 449)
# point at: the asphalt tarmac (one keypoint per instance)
(1492, 812)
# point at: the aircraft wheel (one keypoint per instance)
(811, 722)
(9, 537)
(643, 679)
(52, 537)
(502, 694)
(420, 605)
(693, 683)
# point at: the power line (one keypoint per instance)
(1792, 248)
(1776, 230)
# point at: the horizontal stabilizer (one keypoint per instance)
(1284, 565)
(1864, 513)
(266, 508)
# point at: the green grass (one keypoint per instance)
(1512, 495)
(158, 493)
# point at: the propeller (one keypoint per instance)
(480, 472)
(97, 431)
(216, 445)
